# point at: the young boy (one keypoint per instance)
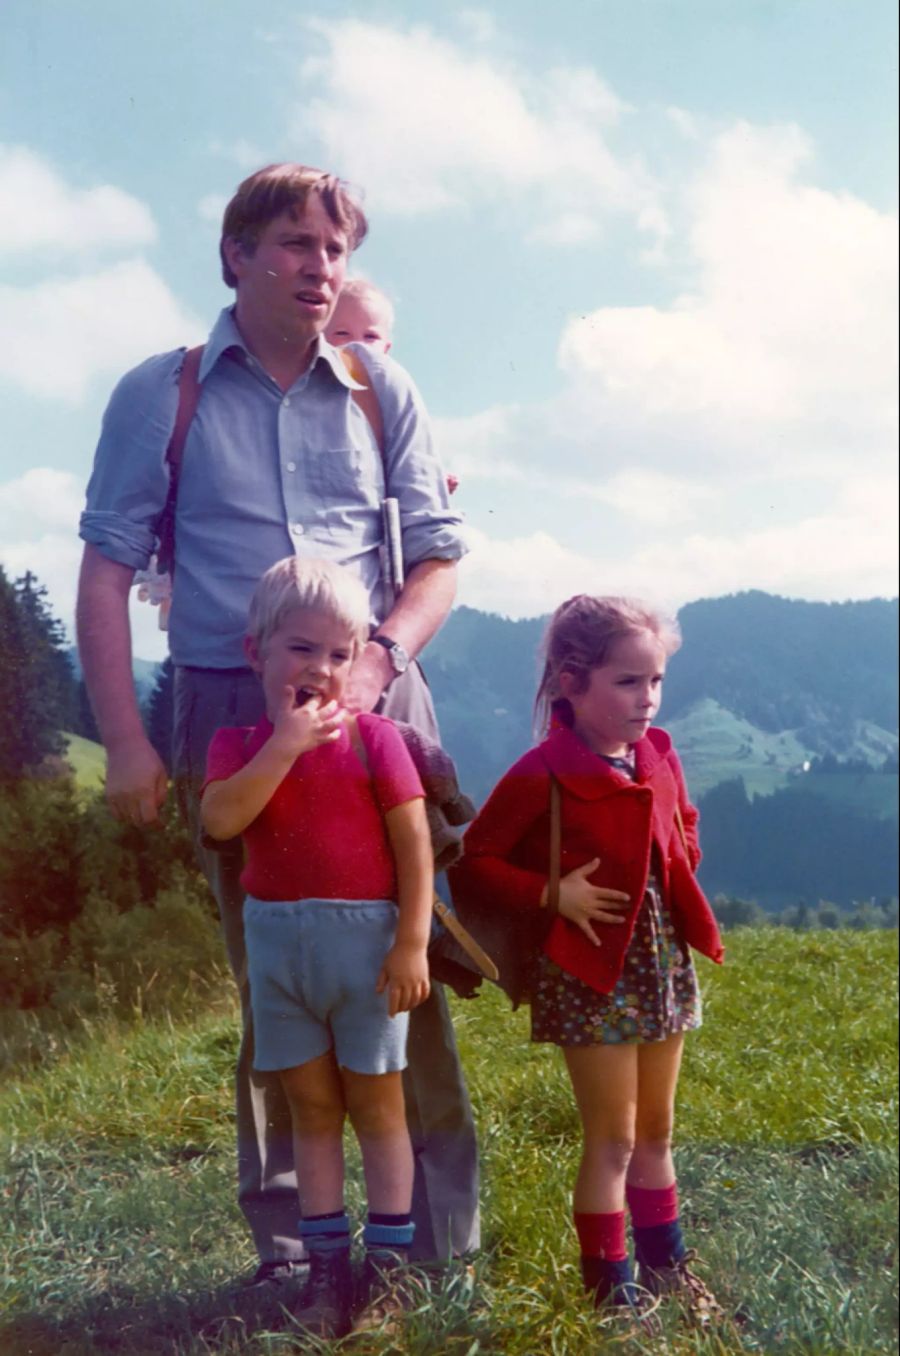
(363, 315)
(339, 881)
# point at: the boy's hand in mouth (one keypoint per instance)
(303, 720)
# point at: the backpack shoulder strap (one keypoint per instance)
(366, 399)
(188, 399)
(679, 823)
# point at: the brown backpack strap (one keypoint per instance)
(681, 833)
(188, 400)
(555, 845)
(366, 399)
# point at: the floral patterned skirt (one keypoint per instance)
(655, 997)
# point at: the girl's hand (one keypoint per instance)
(300, 728)
(584, 904)
(405, 976)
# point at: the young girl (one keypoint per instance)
(614, 985)
(339, 880)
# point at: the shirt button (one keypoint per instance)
(292, 466)
(286, 401)
(297, 529)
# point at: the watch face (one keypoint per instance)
(399, 657)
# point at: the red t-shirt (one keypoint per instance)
(322, 834)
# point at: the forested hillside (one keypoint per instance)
(785, 714)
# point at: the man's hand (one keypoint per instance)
(405, 976)
(136, 782)
(584, 904)
(370, 675)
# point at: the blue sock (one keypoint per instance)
(325, 1233)
(611, 1282)
(659, 1245)
(388, 1233)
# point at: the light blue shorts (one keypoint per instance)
(312, 966)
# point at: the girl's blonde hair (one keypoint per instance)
(320, 585)
(580, 636)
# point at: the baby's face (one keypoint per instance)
(359, 321)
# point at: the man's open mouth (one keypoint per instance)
(307, 694)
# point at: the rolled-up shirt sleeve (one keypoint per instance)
(129, 483)
(431, 529)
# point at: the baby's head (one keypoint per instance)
(587, 633)
(363, 315)
(308, 620)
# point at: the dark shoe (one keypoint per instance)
(700, 1305)
(388, 1290)
(622, 1303)
(325, 1305)
(277, 1273)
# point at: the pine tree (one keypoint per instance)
(13, 742)
(85, 722)
(37, 687)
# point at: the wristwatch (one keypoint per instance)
(399, 657)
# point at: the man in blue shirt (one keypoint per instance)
(279, 458)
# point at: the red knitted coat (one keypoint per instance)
(606, 815)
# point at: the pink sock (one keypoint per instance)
(602, 1235)
(650, 1206)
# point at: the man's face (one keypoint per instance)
(288, 286)
(359, 320)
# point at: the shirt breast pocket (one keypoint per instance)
(345, 477)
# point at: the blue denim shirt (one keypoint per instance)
(265, 474)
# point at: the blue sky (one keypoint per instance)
(643, 254)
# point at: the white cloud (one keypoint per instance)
(39, 513)
(792, 321)
(40, 210)
(56, 336)
(780, 361)
(848, 552)
(427, 125)
(44, 495)
(39, 531)
(743, 436)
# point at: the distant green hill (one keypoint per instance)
(824, 670)
(87, 760)
(716, 745)
(761, 690)
(145, 671)
(760, 686)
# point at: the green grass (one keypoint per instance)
(120, 1233)
(87, 760)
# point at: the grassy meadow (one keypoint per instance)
(120, 1233)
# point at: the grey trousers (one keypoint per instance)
(439, 1114)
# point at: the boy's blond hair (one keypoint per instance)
(320, 585)
(363, 290)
